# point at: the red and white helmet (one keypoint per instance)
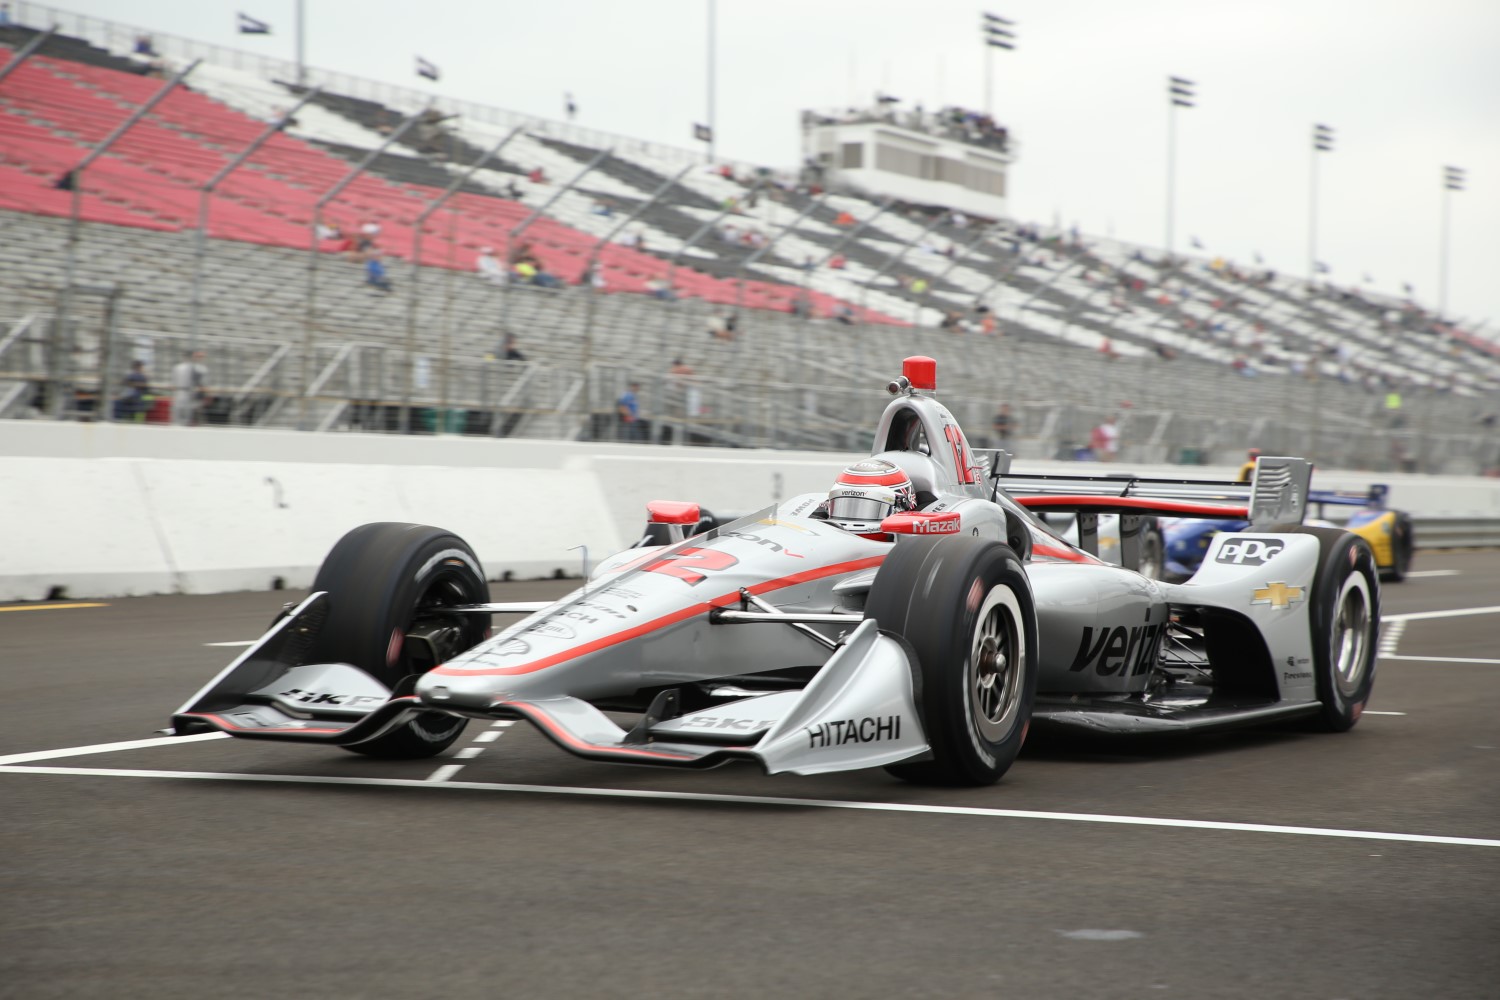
(867, 493)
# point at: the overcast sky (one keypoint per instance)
(1408, 87)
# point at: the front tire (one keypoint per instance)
(966, 609)
(388, 583)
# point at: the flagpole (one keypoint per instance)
(712, 7)
(301, 53)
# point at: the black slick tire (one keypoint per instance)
(386, 580)
(966, 609)
(1344, 619)
(1403, 547)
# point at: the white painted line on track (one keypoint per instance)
(469, 753)
(1439, 659)
(1368, 712)
(158, 741)
(445, 772)
(762, 800)
(488, 736)
(1416, 616)
(1390, 637)
(1433, 572)
(503, 723)
(237, 642)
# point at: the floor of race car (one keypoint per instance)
(1242, 864)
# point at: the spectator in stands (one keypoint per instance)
(718, 327)
(544, 278)
(602, 208)
(593, 277)
(511, 191)
(4, 14)
(364, 243)
(489, 266)
(1003, 424)
(375, 272)
(537, 176)
(189, 379)
(679, 377)
(1104, 441)
(844, 314)
(569, 106)
(838, 262)
(132, 405)
(512, 352)
(628, 412)
(144, 46)
(659, 288)
(1247, 470)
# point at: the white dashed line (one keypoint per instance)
(1390, 636)
(474, 749)
(503, 723)
(445, 772)
(488, 736)
(238, 642)
(1433, 572)
(1368, 712)
(469, 753)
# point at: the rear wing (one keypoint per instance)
(1277, 493)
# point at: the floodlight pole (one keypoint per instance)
(1453, 180)
(200, 237)
(1180, 94)
(74, 178)
(26, 51)
(416, 269)
(712, 72)
(304, 406)
(1322, 142)
(301, 39)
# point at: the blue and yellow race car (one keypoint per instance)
(1389, 533)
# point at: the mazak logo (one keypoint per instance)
(1249, 551)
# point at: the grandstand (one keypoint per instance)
(1201, 356)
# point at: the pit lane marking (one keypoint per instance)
(762, 800)
(1415, 616)
(1440, 659)
(476, 747)
(49, 607)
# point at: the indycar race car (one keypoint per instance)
(918, 617)
(1389, 532)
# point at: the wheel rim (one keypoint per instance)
(997, 659)
(1350, 636)
(445, 589)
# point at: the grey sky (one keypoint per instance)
(1408, 87)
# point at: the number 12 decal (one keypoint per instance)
(685, 564)
(961, 457)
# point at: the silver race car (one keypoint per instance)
(919, 616)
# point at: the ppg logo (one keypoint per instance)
(1249, 551)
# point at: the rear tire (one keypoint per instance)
(1403, 547)
(385, 581)
(1344, 617)
(966, 609)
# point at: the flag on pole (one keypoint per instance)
(1197, 243)
(1321, 267)
(426, 69)
(703, 133)
(248, 25)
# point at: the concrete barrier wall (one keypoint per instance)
(119, 510)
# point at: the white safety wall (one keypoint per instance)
(119, 510)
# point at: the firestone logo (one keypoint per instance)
(1249, 551)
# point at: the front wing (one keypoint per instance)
(860, 710)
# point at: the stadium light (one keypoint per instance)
(1322, 142)
(247, 25)
(1453, 180)
(997, 33)
(1180, 94)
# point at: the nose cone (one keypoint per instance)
(456, 691)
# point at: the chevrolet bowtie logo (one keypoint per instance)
(1278, 595)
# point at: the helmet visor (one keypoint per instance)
(846, 508)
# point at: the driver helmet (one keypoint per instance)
(866, 493)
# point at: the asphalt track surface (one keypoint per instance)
(1264, 864)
